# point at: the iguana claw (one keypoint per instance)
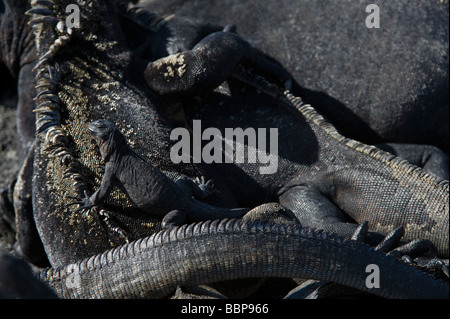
(419, 252)
(206, 186)
(84, 203)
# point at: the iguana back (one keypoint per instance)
(321, 170)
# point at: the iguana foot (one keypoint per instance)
(393, 246)
(85, 203)
(419, 252)
(390, 244)
(199, 187)
(423, 254)
(206, 187)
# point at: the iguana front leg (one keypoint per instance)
(97, 198)
(207, 65)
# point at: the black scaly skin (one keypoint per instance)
(345, 70)
(322, 177)
(74, 87)
(83, 75)
(255, 249)
(17, 53)
(150, 189)
(202, 54)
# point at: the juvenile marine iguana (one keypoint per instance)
(318, 169)
(150, 189)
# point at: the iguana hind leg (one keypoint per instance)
(206, 66)
(312, 209)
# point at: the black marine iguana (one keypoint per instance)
(69, 96)
(375, 85)
(150, 189)
(248, 248)
(73, 88)
(321, 174)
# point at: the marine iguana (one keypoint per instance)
(375, 85)
(150, 189)
(322, 173)
(319, 169)
(53, 153)
(73, 88)
(68, 94)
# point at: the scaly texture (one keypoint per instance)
(155, 266)
(375, 85)
(82, 75)
(321, 173)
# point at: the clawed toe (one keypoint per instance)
(206, 186)
(83, 203)
(391, 241)
(414, 249)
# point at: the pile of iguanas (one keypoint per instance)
(101, 204)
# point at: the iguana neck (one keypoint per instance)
(114, 147)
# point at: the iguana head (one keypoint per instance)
(108, 137)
